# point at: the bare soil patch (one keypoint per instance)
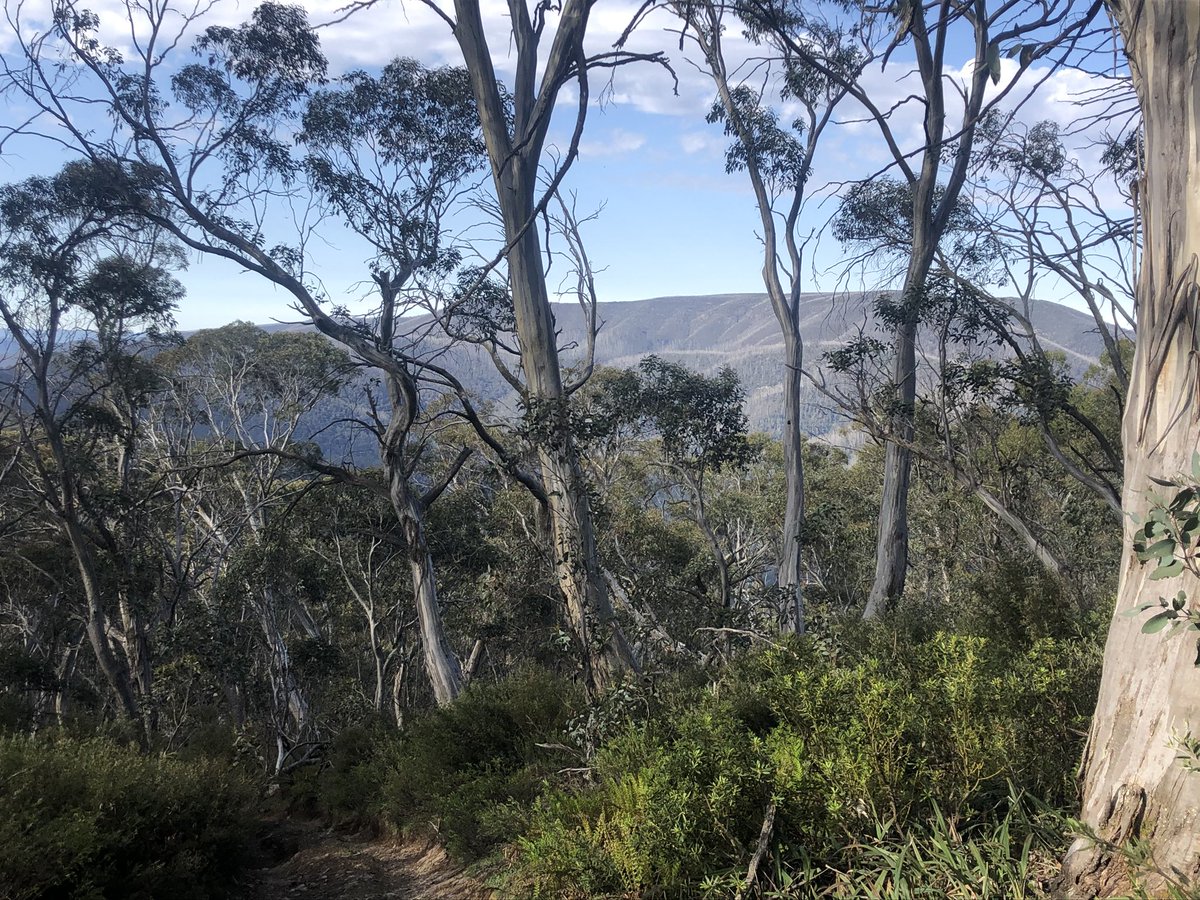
(305, 861)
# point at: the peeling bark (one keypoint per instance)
(1133, 786)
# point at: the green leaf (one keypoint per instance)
(1182, 499)
(993, 61)
(1164, 548)
(1170, 570)
(1196, 466)
(1157, 623)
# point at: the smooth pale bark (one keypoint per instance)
(1015, 524)
(930, 218)
(791, 565)
(289, 696)
(113, 667)
(1133, 784)
(785, 302)
(515, 157)
(891, 542)
(700, 512)
(441, 665)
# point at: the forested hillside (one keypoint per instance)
(469, 584)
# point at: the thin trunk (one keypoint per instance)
(791, 551)
(289, 700)
(441, 665)
(1014, 522)
(514, 146)
(65, 674)
(380, 661)
(1133, 784)
(931, 212)
(114, 669)
(605, 653)
(785, 303)
(724, 582)
(137, 651)
(474, 660)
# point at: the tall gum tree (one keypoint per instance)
(78, 281)
(1134, 786)
(952, 107)
(209, 135)
(777, 162)
(515, 125)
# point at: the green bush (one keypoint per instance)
(93, 819)
(1010, 859)
(471, 769)
(892, 736)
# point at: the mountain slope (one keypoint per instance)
(739, 330)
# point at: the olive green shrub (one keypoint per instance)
(95, 819)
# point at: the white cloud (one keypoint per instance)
(693, 142)
(617, 142)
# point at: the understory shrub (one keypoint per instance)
(469, 771)
(95, 819)
(906, 735)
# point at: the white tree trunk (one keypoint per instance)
(441, 665)
(1133, 784)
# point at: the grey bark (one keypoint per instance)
(515, 157)
(441, 664)
(705, 20)
(1133, 786)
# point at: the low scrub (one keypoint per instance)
(849, 757)
(94, 819)
(469, 771)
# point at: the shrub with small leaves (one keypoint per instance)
(93, 819)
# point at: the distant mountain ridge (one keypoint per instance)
(705, 333)
(708, 332)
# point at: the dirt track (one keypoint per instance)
(315, 863)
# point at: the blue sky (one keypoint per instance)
(673, 222)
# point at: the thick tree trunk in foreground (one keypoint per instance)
(1133, 784)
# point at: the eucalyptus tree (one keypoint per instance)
(211, 136)
(80, 286)
(392, 154)
(1138, 770)
(930, 178)
(1054, 225)
(778, 160)
(548, 41)
(702, 430)
(239, 423)
(691, 426)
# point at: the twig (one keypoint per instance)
(764, 838)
